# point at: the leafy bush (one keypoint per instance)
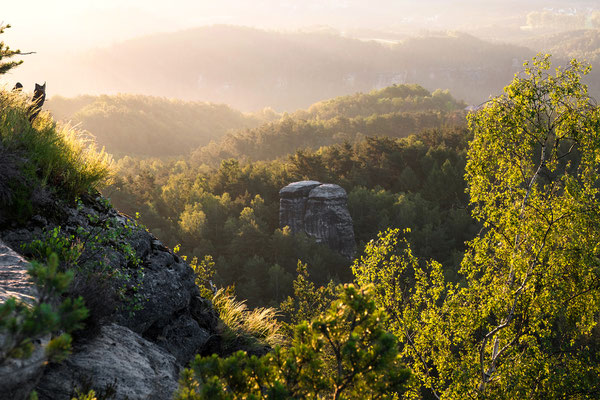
(308, 300)
(523, 321)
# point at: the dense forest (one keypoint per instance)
(477, 228)
(399, 152)
(143, 126)
(231, 212)
(397, 111)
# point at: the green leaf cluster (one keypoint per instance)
(523, 321)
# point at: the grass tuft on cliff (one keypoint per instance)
(57, 159)
(244, 328)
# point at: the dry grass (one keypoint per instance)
(241, 323)
(58, 157)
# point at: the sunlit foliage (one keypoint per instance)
(524, 322)
(366, 361)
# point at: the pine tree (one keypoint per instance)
(6, 52)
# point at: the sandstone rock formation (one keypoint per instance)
(292, 204)
(320, 211)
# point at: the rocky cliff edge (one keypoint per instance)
(147, 318)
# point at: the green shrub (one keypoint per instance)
(98, 279)
(23, 323)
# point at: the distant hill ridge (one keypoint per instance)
(148, 126)
(396, 111)
(250, 69)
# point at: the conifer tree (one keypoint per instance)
(6, 53)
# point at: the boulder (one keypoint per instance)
(14, 279)
(119, 362)
(327, 219)
(183, 337)
(18, 376)
(320, 211)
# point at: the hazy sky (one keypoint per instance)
(85, 23)
(40, 24)
(54, 28)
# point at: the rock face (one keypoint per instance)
(292, 204)
(18, 377)
(137, 354)
(14, 280)
(118, 359)
(320, 211)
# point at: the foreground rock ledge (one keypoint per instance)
(18, 377)
(133, 355)
(120, 359)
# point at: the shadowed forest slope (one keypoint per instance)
(396, 111)
(151, 126)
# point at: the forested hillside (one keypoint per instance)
(223, 200)
(144, 126)
(477, 274)
(396, 111)
(231, 212)
(152, 126)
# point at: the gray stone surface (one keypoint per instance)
(182, 338)
(119, 358)
(167, 288)
(292, 204)
(120, 347)
(14, 280)
(320, 211)
(328, 191)
(18, 376)
(298, 189)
